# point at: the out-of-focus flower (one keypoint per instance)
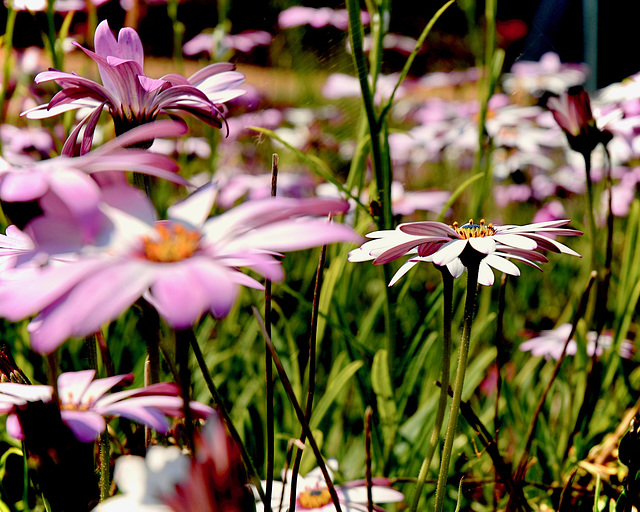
(84, 403)
(445, 246)
(312, 492)
(131, 97)
(185, 266)
(25, 144)
(572, 112)
(340, 85)
(549, 74)
(168, 480)
(324, 16)
(243, 42)
(66, 185)
(551, 342)
(234, 185)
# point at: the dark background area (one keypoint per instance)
(552, 25)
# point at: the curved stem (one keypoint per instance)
(472, 290)
(447, 307)
(224, 414)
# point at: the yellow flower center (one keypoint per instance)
(314, 498)
(173, 242)
(471, 230)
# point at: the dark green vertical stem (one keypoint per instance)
(8, 47)
(183, 341)
(447, 309)
(368, 414)
(590, 214)
(472, 290)
(268, 361)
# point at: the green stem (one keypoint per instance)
(105, 455)
(183, 340)
(8, 47)
(447, 281)
(472, 289)
(56, 59)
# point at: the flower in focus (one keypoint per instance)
(168, 480)
(131, 97)
(446, 245)
(84, 404)
(66, 185)
(185, 266)
(572, 112)
(551, 342)
(312, 493)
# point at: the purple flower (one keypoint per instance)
(444, 246)
(185, 266)
(66, 185)
(84, 403)
(572, 112)
(131, 97)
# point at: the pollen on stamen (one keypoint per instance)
(172, 242)
(471, 230)
(314, 498)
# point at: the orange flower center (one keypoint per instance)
(471, 230)
(314, 498)
(172, 242)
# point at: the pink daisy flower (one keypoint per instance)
(84, 403)
(131, 97)
(185, 266)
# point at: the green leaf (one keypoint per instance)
(335, 386)
(381, 384)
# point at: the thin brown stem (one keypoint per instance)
(299, 412)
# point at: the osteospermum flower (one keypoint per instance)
(572, 112)
(69, 185)
(445, 245)
(131, 97)
(84, 403)
(312, 493)
(185, 266)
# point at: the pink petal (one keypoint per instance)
(72, 386)
(85, 425)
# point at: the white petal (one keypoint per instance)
(502, 264)
(408, 265)
(485, 245)
(449, 251)
(485, 274)
(517, 241)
